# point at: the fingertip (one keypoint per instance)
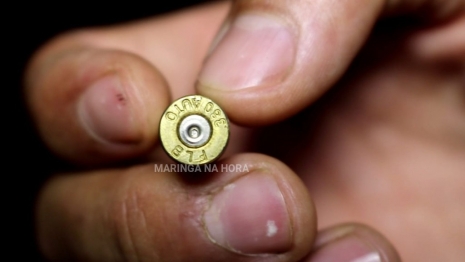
(248, 65)
(95, 106)
(265, 211)
(352, 242)
(275, 58)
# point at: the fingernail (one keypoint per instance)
(104, 111)
(345, 245)
(257, 50)
(249, 216)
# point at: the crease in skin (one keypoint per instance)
(127, 231)
(141, 211)
(219, 36)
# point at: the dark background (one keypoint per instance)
(29, 163)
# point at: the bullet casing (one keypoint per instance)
(194, 130)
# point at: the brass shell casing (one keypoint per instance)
(181, 150)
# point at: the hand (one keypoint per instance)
(384, 146)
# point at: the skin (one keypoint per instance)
(373, 126)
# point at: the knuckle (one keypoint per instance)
(128, 215)
(52, 50)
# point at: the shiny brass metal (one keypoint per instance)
(194, 130)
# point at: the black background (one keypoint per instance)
(28, 163)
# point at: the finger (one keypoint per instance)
(444, 43)
(94, 105)
(273, 58)
(257, 210)
(352, 242)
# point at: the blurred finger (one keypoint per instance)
(352, 242)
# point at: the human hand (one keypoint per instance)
(372, 150)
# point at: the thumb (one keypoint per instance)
(263, 213)
(273, 58)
